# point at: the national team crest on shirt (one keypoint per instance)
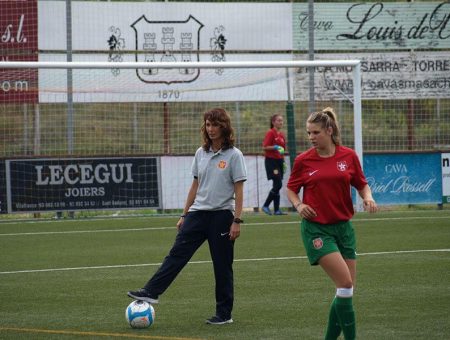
(342, 165)
(222, 164)
(317, 243)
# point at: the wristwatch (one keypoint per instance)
(238, 220)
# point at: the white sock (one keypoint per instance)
(344, 292)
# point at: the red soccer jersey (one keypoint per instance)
(326, 183)
(274, 137)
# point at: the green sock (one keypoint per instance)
(333, 328)
(346, 316)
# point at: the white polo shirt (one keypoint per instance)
(216, 174)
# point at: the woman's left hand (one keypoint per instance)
(235, 231)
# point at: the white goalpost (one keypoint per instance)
(105, 112)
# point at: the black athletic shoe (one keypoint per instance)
(143, 295)
(215, 320)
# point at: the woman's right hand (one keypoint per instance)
(306, 211)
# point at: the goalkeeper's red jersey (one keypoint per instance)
(274, 137)
(326, 183)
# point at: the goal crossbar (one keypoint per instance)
(199, 64)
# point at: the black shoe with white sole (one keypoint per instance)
(143, 295)
(216, 320)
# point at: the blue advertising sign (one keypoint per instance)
(404, 178)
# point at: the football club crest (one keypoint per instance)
(157, 41)
(342, 165)
(317, 243)
(222, 165)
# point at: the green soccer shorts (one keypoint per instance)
(322, 239)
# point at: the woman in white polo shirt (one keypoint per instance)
(212, 212)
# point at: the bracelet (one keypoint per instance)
(297, 205)
(183, 216)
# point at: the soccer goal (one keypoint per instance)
(121, 135)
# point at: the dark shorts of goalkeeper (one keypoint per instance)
(274, 168)
(322, 239)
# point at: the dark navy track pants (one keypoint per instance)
(199, 226)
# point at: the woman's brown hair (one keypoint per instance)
(222, 118)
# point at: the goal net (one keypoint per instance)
(121, 135)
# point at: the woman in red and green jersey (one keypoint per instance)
(274, 146)
(326, 172)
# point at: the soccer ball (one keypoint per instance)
(140, 314)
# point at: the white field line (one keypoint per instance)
(173, 227)
(87, 231)
(128, 217)
(283, 258)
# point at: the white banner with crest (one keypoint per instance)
(152, 31)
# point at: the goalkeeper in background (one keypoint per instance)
(212, 213)
(274, 146)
